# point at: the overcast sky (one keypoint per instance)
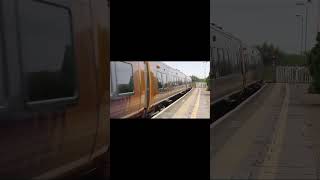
(197, 68)
(256, 21)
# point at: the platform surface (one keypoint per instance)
(194, 105)
(270, 138)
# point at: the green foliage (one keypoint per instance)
(208, 82)
(196, 79)
(269, 52)
(292, 60)
(313, 61)
(268, 73)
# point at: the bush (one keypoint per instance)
(314, 66)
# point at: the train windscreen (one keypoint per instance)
(47, 51)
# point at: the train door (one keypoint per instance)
(147, 81)
(100, 20)
(50, 121)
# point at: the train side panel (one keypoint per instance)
(254, 66)
(101, 20)
(50, 119)
(126, 80)
(173, 83)
(225, 59)
(163, 82)
(234, 65)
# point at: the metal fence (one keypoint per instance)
(201, 85)
(293, 74)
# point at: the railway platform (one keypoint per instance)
(195, 104)
(274, 135)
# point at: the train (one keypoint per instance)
(233, 64)
(54, 95)
(138, 87)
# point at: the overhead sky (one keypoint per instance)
(274, 21)
(197, 68)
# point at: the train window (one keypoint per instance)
(214, 54)
(222, 63)
(226, 55)
(47, 52)
(113, 90)
(159, 77)
(228, 63)
(173, 81)
(219, 55)
(164, 80)
(238, 61)
(216, 68)
(111, 87)
(124, 78)
(2, 84)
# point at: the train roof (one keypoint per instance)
(229, 35)
(174, 70)
(219, 29)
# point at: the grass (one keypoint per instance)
(292, 60)
(287, 60)
(267, 73)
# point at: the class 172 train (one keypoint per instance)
(233, 64)
(54, 90)
(138, 87)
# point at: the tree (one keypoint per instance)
(208, 83)
(195, 79)
(268, 51)
(313, 61)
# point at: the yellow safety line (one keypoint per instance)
(183, 110)
(277, 145)
(196, 107)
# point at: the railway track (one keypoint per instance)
(226, 105)
(161, 106)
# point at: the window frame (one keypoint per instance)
(164, 77)
(116, 80)
(55, 101)
(3, 66)
(159, 74)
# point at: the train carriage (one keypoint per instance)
(54, 99)
(226, 63)
(146, 83)
(128, 88)
(234, 65)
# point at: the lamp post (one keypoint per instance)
(212, 19)
(305, 4)
(301, 45)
